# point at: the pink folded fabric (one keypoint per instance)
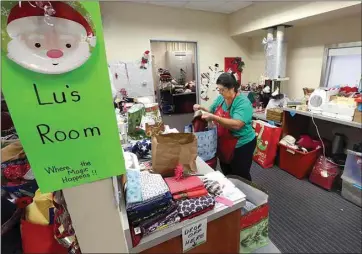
(184, 184)
(195, 193)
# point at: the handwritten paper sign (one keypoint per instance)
(59, 93)
(194, 234)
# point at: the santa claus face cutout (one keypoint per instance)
(49, 44)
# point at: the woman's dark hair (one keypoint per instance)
(228, 80)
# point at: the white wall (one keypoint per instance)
(265, 14)
(305, 51)
(128, 28)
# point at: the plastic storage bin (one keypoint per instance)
(352, 192)
(297, 163)
(353, 167)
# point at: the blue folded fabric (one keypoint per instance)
(149, 204)
(133, 192)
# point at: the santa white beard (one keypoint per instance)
(22, 55)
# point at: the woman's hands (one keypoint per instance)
(208, 116)
(197, 107)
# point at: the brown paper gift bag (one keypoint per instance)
(169, 150)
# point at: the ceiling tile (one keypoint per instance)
(222, 6)
(213, 6)
(232, 6)
(169, 3)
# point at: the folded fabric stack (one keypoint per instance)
(17, 176)
(149, 204)
(192, 197)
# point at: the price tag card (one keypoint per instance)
(194, 234)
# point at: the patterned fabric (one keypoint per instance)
(152, 185)
(10, 136)
(149, 204)
(184, 184)
(189, 207)
(206, 144)
(212, 186)
(133, 192)
(170, 219)
(142, 148)
(136, 219)
(15, 172)
(14, 162)
(172, 208)
(197, 213)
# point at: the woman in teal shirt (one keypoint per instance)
(232, 113)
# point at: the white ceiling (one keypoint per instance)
(221, 6)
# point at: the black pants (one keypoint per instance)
(241, 162)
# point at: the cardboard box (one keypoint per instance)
(357, 116)
(343, 100)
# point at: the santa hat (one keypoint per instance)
(17, 22)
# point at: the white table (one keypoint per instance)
(176, 230)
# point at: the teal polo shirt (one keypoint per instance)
(242, 110)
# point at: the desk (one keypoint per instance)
(325, 118)
(301, 123)
(170, 241)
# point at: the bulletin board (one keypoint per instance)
(129, 76)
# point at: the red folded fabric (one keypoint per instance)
(198, 213)
(183, 185)
(16, 172)
(136, 239)
(195, 193)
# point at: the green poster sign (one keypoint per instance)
(56, 83)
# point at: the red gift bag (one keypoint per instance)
(39, 239)
(324, 173)
(268, 137)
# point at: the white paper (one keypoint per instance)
(194, 234)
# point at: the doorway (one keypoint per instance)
(174, 70)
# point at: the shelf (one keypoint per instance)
(179, 94)
(325, 118)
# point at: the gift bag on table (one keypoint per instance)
(37, 226)
(267, 139)
(206, 137)
(169, 150)
(135, 114)
(206, 144)
(152, 115)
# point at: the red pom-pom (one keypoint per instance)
(179, 170)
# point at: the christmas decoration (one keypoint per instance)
(144, 60)
(234, 65)
(50, 37)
